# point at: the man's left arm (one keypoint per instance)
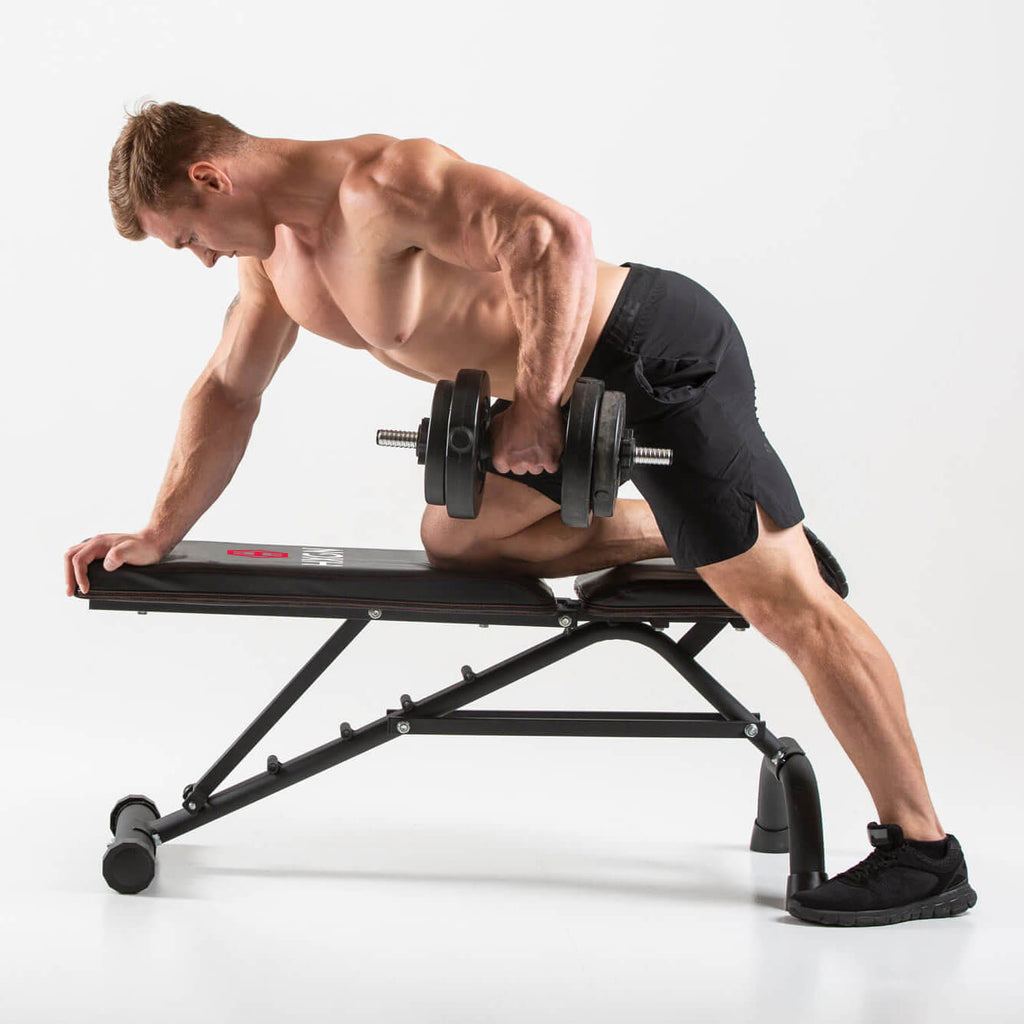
(483, 219)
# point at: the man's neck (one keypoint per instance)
(297, 181)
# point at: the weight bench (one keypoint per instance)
(634, 602)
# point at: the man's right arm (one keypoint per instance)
(220, 409)
(217, 417)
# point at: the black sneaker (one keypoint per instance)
(896, 883)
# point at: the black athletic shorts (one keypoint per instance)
(673, 349)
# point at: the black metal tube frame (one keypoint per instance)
(785, 765)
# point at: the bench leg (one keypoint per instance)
(771, 825)
(803, 814)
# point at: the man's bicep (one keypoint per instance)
(256, 337)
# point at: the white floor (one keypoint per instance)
(465, 879)
(472, 879)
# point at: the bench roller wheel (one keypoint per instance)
(130, 861)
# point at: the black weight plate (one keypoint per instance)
(437, 443)
(605, 479)
(578, 456)
(467, 440)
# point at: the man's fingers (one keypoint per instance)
(83, 556)
(69, 570)
(80, 564)
(114, 548)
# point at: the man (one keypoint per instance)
(402, 249)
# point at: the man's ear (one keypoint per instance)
(209, 176)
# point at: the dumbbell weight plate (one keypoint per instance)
(578, 454)
(437, 443)
(467, 444)
(605, 480)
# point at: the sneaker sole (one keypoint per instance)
(947, 904)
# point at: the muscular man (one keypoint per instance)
(401, 249)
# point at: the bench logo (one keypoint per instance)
(256, 553)
(323, 556)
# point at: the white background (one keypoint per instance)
(845, 179)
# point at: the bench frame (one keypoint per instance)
(788, 815)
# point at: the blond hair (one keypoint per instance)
(150, 160)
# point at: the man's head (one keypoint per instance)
(177, 173)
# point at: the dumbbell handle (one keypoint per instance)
(641, 456)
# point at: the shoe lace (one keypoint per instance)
(872, 865)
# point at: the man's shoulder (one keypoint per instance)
(403, 166)
(366, 152)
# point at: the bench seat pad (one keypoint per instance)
(248, 574)
(205, 574)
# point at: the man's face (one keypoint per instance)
(215, 220)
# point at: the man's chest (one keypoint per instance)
(349, 293)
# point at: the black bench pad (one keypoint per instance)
(656, 588)
(288, 580)
(244, 574)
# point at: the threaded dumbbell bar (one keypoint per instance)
(642, 456)
(397, 438)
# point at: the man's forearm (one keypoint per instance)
(551, 281)
(212, 436)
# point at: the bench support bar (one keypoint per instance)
(788, 815)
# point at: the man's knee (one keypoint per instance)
(445, 540)
(796, 618)
(453, 543)
(508, 508)
(776, 585)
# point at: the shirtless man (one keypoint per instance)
(429, 263)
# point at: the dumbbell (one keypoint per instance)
(453, 445)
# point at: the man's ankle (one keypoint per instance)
(916, 827)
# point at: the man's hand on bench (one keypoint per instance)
(115, 549)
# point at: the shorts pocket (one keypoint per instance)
(672, 382)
